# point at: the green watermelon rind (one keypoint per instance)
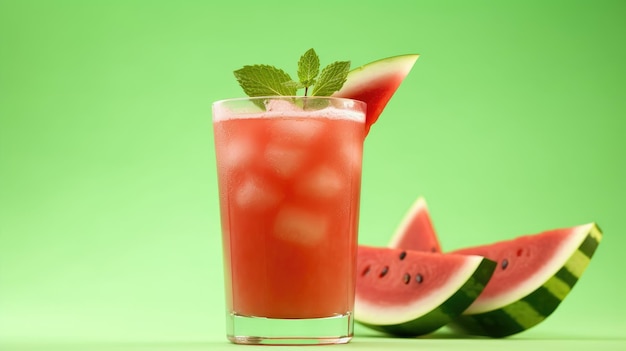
(536, 306)
(443, 314)
(381, 67)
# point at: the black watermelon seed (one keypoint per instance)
(365, 271)
(407, 278)
(402, 255)
(419, 278)
(505, 263)
(384, 271)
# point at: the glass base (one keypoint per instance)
(272, 331)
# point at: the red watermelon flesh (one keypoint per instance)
(525, 263)
(375, 83)
(416, 230)
(406, 292)
(534, 274)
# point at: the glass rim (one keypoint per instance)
(282, 97)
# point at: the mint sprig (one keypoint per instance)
(266, 80)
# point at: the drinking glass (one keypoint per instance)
(289, 179)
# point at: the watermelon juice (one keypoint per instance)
(289, 186)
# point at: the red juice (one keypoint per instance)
(289, 188)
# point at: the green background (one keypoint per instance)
(511, 122)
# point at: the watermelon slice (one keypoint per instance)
(375, 83)
(416, 230)
(411, 293)
(534, 274)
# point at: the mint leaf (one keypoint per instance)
(264, 80)
(308, 68)
(293, 84)
(331, 79)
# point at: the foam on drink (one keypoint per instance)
(277, 108)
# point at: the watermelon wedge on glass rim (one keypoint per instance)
(410, 293)
(375, 83)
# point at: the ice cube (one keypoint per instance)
(281, 105)
(351, 152)
(284, 160)
(298, 131)
(322, 182)
(238, 153)
(299, 225)
(256, 195)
